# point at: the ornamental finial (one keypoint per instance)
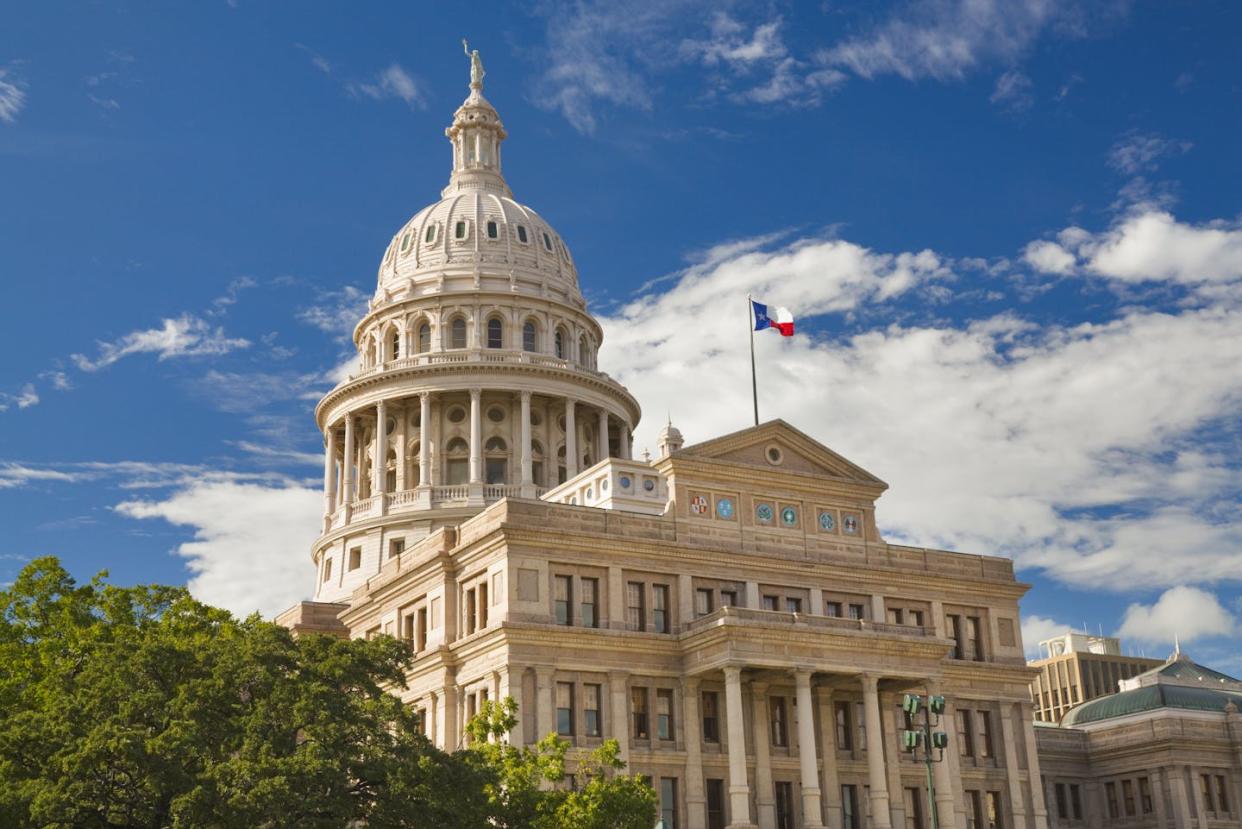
(476, 66)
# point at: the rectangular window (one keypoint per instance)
(985, 733)
(703, 601)
(1062, 802)
(895, 616)
(590, 602)
(638, 708)
(664, 714)
(1110, 795)
(974, 810)
(1205, 785)
(396, 547)
(860, 726)
(420, 629)
(1222, 799)
(845, 735)
(711, 716)
(565, 709)
(849, 807)
(715, 803)
(459, 230)
(832, 609)
(954, 625)
(965, 743)
(668, 802)
(521, 231)
(858, 612)
(659, 608)
(779, 716)
(482, 606)
(562, 589)
(636, 606)
(1144, 786)
(592, 704)
(913, 797)
(916, 618)
(974, 641)
(995, 811)
(728, 598)
(327, 569)
(469, 612)
(1075, 801)
(784, 805)
(355, 558)
(1127, 797)
(771, 602)
(793, 604)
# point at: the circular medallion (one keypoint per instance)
(789, 516)
(625, 481)
(849, 523)
(827, 522)
(764, 513)
(649, 485)
(724, 507)
(588, 492)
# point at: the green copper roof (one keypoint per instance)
(1150, 698)
(1186, 669)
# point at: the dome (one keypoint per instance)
(1179, 683)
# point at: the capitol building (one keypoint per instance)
(727, 610)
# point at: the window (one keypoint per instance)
(664, 714)
(327, 569)
(495, 333)
(849, 807)
(565, 709)
(547, 242)
(895, 616)
(470, 612)
(793, 604)
(860, 726)
(1127, 797)
(974, 644)
(955, 633)
(638, 710)
(1110, 795)
(1062, 802)
(456, 462)
(965, 745)
(394, 345)
(668, 802)
(457, 333)
(420, 629)
(396, 547)
(711, 716)
(916, 618)
(703, 601)
(592, 704)
(778, 716)
(858, 612)
(659, 608)
(995, 811)
(430, 235)
(584, 352)
(561, 588)
(845, 735)
(355, 558)
(559, 342)
(1076, 801)
(423, 338)
(590, 602)
(913, 798)
(529, 336)
(635, 607)
(784, 805)
(459, 230)
(493, 231)
(496, 461)
(715, 803)
(521, 232)
(974, 810)
(728, 598)
(1205, 786)
(1222, 799)
(771, 602)
(985, 733)
(832, 609)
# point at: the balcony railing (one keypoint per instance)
(407, 500)
(776, 617)
(483, 355)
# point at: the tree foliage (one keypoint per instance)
(141, 708)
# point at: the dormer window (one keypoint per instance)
(547, 242)
(459, 230)
(430, 235)
(493, 232)
(405, 243)
(521, 232)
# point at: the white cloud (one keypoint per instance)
(1187, 613)
(14, 475)
(392, 82)
(185, 336)
(12, 96)
(1048, 257)
(337, 312)
(251, 545)
(27, 397)
(944, 39)
(1155, 246)
(1013, 92)
(998, 436)
(1138, 152)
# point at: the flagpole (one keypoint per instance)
(754, 385)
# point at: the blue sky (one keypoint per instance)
(1009, 232)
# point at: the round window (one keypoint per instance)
(390, 425)
(456, 414)
(603, 485)
(536, 419)
(560, 423)
(649, 485)
(496, 414)
(588, 492)
(625, 481)
(774, 455)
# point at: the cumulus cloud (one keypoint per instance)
(12, 96)
(1139, 152)
(392, 82)
(185, 336)
(1184, 612)
(1048, 257)
(999, 436)
(251, 546)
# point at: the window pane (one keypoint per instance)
(528, 336)
(668, 802)
(495, 333)
(564, 708)
(711, 716)
(591, 709)
(638, 707)
(664, 714)
(562, 586)
(635, 609)
(659, 615)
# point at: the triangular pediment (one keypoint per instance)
(777, 446)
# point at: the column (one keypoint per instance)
(616, 599)
(601, 440)
(624, 436)
(571, 440)
(527, 474)
(424, 439)
(1181, 800)
(620, 714)
(696, 802)
(545, 721)
(401, 435)
(831, 791)
(739, 788)
(329, 475)
(811, 809)
(1016, 801)
(476, 436)
(379, 471)
(892, 757)
(1039, 805)
(434, 709)
(752, 595)
(347, 479)
(765, 793)
(946, 809)
(880, 810)
(1157, 797)
(446, 717)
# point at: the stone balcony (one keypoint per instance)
(422, 498)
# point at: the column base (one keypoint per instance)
(474, 495)
(422, 497)
(528, 490)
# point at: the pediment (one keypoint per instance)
(777, 446)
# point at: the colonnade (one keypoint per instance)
(348, 478)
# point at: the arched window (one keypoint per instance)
(536, 462)
(496, 461)
(560, 464)
(530, 339)
(456, 462)
(457, 333)
(413, 472)
(394, 344)
(390, 473)
(493, 230)
(560, 343)
(424, 337)
(584, 352)
(495, 333)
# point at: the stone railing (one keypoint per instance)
(367, 506)
(484, 355)
(776, 617)
(456, 492)
(494, 492)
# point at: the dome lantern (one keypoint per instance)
(476, 134)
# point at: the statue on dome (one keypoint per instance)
(476, 65)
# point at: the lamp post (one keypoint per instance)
(918, 737)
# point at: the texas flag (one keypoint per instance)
(776, 317)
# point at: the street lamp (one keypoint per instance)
(918, 737)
